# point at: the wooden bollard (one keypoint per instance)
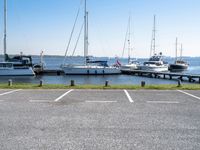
(179, 83)
(41, 83)
(143, 84)
(106, 84)
(10, 82)
(72, 83)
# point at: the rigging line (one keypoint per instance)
(125, 39)
(71, 35)
(78, 39)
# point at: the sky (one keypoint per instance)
(35, 25)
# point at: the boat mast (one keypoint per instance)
(181, 55)
(129, 40)
(5, 27)
(176, 54)
(154, 36)
(86, 33)
(153, 41)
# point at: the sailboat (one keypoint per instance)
(89, 67)
(132, 63)
(9, 68)
(179, 64)
(155, 62)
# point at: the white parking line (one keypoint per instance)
(100, 101)
(10, 92)
(59, 98)
(128, 96)
(40, 101)
(163, 102)
(189, 94)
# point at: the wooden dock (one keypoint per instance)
(164, 75)
(57, 72)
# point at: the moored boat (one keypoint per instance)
(16, 66)
(179, 65)
(89, 67)
(155, 62)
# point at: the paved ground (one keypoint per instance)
(97, 119)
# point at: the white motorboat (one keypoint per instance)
(155, 62)
(89, 67)
(15, 68)
(7, 69)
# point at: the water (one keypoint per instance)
(54, 62)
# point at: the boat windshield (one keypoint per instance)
(156, 58)
(98, 63)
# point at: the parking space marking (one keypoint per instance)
(128, 96)
(59, 98)
(189, 94)
(40, 101)
(101, 101)
(10, 92)
(163, 102)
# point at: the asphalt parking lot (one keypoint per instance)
(99, 119)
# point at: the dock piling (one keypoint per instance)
(72, 83)
(41, 83)
(9, 82)
(179, 83)
(143, 84)
(106, 84)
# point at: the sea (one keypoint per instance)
(54, 62)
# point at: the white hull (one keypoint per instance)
(129, 67)
(90, 70)
(154, 68)
(16, 72)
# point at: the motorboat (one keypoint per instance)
(155, 63)
(17, 66)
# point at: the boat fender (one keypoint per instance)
(95, 72)
(88, 72)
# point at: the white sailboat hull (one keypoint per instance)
(16, 72)
(129, 67)
(90, 70)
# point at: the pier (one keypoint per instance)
(50, 72)
(192, 78)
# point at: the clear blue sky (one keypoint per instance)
(34, 25)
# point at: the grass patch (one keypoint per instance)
(131, 87)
